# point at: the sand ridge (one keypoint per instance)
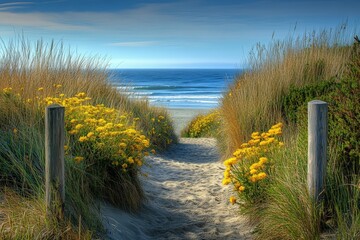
(185, 198)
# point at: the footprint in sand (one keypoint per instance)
(192, 203)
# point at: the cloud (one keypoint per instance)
(39, 20)
(13, 5)
(134, 44)
(171, 21)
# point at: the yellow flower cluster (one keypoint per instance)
(159, 131)
(203, 125)
(249, 167)
(99, 133)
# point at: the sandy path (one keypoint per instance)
(185, 199)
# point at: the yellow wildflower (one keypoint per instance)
(253, 178)
(232, 200)
(73, 132)
(78, 159)
(226, 181)
(254, 134)
(230, 161)
(263, 160)
(237, 184)
(261, 176)
(130, 160)
(83, 139)
(253, 171)
(90, 134)
(255, 166)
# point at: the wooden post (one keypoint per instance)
(317, 150)
(54, 161)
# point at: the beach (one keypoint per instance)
(185, 198)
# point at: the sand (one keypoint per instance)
(185, 198)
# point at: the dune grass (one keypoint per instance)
(34, 74)
(253, 102)
(282, 77)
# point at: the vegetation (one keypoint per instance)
(250, 167)
(282, 78)
(107, 137)
(203, 125)
(253, 103)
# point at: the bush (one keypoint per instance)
(206, 125)
(251, 166)
(343, 96)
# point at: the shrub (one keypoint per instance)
(251, 166)
(206, 125)
(343, 96)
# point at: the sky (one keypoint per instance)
(171, 34)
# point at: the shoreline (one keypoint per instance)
(182, 116)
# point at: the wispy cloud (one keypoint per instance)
(135, 44)
(38, 20)
(13, 5)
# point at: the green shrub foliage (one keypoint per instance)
(343, 97)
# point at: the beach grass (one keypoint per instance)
(283, 76)
(253, 103)
(35, 74)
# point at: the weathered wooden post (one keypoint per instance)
(317, 150)
(54, 161)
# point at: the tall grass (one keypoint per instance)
(289, 212)
(253, 102)
(325, 65)
(31, 71)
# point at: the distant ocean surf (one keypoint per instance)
(175, 88)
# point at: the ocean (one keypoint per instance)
(175, 88)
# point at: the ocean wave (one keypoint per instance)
(124, 88)
(185, 101)
(186, 97)
(169, 87)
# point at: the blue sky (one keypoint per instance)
(170, 34)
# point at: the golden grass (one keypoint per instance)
(25, 218)
(35, 70)
(253, 102)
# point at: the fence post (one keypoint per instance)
(317, 149)
(54, 161)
